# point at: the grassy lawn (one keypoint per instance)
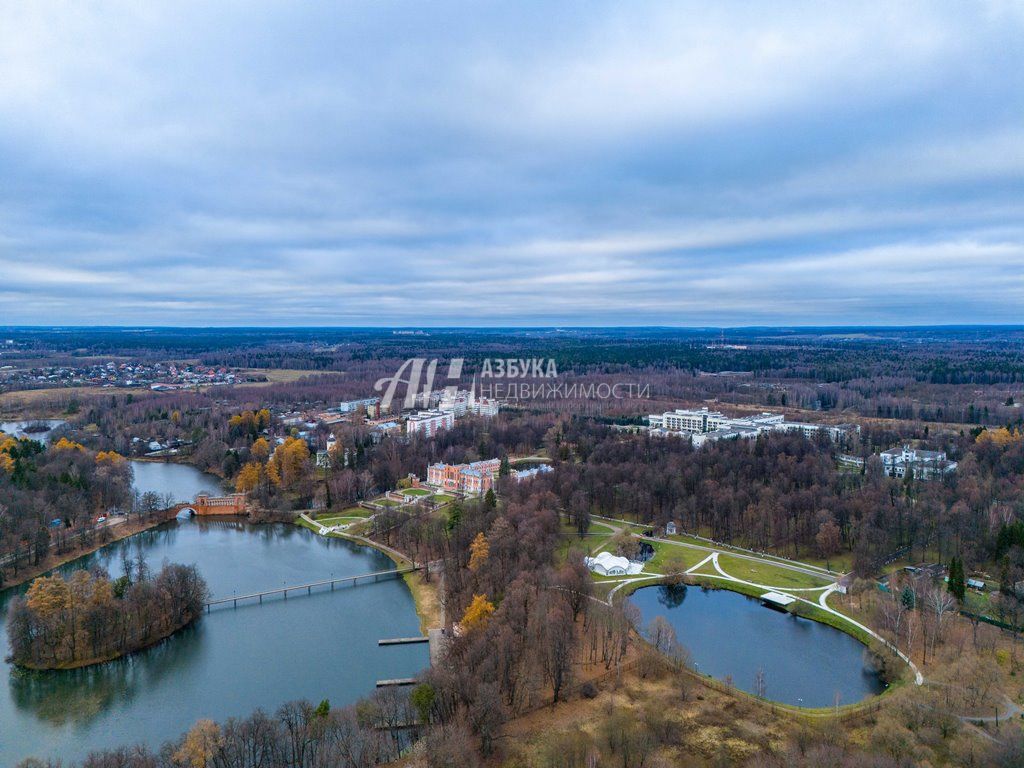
(355, 512)
(416, 492)
(664, 553)
(442, 498)
(768, 574)
(348, 513)
(386, 502)
(339, 520)
(841, 563)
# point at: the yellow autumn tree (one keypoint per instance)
(273, 474)
(478, 613)
(262, 418)
(201, 745)
(289, 461)
(6, 460)
(260, 449)
(109, 457)
(1000, 437)
(249, 477)
(68, 445)
(48, 597)
(480, 550)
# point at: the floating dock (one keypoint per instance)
(777, 600)
(403, 640)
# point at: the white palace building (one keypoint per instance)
(703, 425)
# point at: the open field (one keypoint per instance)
(276, 376)
(54, 402)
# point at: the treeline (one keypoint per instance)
(298, 735)
(530, 632)
(88, 617)
(51, 495)
(782, 492)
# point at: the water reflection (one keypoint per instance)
(733, 637)
(671, 595)
(236, 659)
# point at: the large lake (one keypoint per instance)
(314, 647)
(729, 635)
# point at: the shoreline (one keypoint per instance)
(424, 594)
(103, 659)
(50, 562)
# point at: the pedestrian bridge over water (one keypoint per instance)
(352, 581)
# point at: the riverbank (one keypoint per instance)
(424, 593)
(115, 531)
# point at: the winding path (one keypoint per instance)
(821, 602)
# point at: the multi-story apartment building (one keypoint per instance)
(466, 401)
(370, 404)
(485, 406)
(924, 465)
(429, 423)
(703, 425)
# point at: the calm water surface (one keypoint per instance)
(730, 635)
(181, 481)
(319, 646)
(17, 428)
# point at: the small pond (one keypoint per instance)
(731, 637)
(35, 429)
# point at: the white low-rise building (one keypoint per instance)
(526, 474)
(607, 564)
(924, 465)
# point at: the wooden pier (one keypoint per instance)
(403, 640)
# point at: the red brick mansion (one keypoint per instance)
(471, 479)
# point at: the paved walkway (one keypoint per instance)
(754, 557)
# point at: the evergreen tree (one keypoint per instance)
(908, 598)
(506, 468)
(957, 583)
(490, 500)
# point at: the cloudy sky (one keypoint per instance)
(587, 163)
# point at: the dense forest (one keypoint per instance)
(51, 495)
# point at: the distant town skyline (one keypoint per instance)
(528, 164)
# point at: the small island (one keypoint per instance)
(89, 618)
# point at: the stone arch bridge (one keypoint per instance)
(204, 504)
